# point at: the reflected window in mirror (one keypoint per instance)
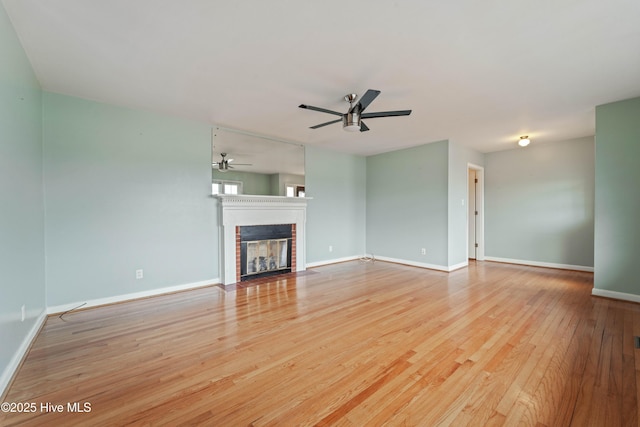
(295, 190)
(226, 187)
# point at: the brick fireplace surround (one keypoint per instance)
(241, 210)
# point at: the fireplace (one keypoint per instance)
(264, 250)
(240, 211)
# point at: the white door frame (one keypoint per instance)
(480, 208)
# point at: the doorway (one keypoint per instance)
(475, 213)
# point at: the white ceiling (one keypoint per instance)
(478, 73)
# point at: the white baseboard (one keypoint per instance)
(393, 260)
(540, 264)
(414, 263)
(10, 370)
(127, 297)
(615, 295)
(458, 266)
(332, 261)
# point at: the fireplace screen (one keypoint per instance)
(266, 255)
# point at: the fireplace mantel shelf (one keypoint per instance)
(261, 200)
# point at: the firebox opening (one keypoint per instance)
(265, 250)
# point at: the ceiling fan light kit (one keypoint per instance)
(352, 119)
(351, 122)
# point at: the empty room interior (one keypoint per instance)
(299, 213)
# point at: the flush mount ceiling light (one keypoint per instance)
(524, 141)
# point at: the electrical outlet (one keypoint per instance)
(423, 251)
(330, 248)
(24, 312)
(139, 274)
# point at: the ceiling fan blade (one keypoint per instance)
(324, 124)
(322, 110)
(366, 99)
(242, 164)
(363, 127)
(386, 114)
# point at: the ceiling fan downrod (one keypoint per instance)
(351, 120)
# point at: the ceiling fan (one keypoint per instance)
(223, 165)
(352, 119)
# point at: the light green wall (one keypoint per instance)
(125, 190)
(539, 203)
(274, 184)
(22, 277)
(336, 214)
(459, 159)
(617, 207)
(407, 198)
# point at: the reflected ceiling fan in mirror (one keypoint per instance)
(224, 164)
(352, 119)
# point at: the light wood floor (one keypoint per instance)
(349, 344)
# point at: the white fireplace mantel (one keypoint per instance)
(241, 210)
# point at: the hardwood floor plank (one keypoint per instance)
(573, 366)
(628, 409)
(347, 344)
(636, 355)
(588, 377)
(539, 377)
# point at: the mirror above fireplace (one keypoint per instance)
(248, 163)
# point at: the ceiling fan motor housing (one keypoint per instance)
(351, 122)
